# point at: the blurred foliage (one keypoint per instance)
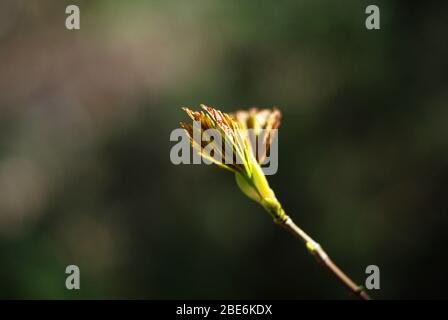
(85, 175)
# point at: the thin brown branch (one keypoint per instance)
(322, 257)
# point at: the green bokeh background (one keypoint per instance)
(85, 173)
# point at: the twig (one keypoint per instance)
(322, 257)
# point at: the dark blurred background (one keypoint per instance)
(85, 173)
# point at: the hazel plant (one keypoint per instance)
(235, 149)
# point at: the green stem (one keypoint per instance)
(257, 188)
